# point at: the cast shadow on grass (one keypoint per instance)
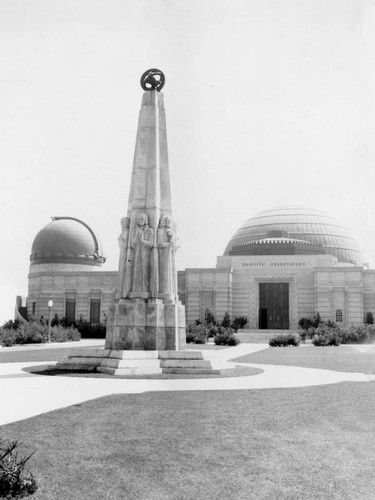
(48, 370)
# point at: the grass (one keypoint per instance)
(8, 355)
(289, 444)
(346, 358)
(309, 443)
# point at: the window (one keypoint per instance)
(95, 311)
(339, 315)
(207, 315)
(70, 310)
(33, 308)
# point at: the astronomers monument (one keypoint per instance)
(146, 321)
(146, 314)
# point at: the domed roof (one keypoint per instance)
(297, 223)
(67, 240)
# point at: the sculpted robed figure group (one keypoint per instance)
(136, 266)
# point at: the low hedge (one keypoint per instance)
(225, 336)
(285, 340)
(32, 332)
(197, 334)
(332, 334)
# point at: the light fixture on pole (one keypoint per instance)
(50, 305)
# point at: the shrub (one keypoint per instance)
(358, 334)
(325, 335)
(226, 321)
(212, 330)
(62, 334)
(235, 325)
(284, 340)
(225, 336)
(7, 337)
(305, 323)
(196, 334)
(89, 331)
(15, 480)
(32, 332)
(317, 320)
(12, 324)
(242, 321)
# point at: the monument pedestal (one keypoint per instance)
(148, 325)
(119, 362)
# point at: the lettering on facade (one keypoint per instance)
(273, 264)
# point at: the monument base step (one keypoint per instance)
(260, 336)
(122, 362)
(191, 371)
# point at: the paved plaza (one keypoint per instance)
(24, 395)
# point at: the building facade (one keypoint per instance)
(280, 266)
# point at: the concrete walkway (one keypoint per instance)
(23, 395)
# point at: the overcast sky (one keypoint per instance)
(268, 102)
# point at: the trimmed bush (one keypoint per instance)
(12, 324)
(62, 334)
(226, 321)
(197, 334)
(305, 323)
(32, 332)
(235, 325)
(15, 480)
(285, 340)
(89, 331)
(225, 336)
(358, 334)
(7, 337)
(326, 335)
(242, 321)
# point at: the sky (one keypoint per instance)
(268, 103)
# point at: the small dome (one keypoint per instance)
(296, 223)
(67, 240)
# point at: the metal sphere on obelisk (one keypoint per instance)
(146, 313)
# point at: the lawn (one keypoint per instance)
(306, 443)
(10, 355)
(346, 358)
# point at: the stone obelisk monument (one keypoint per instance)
(146, 322)
(146, 314)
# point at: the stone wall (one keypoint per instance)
(61, 282)
(316, 284)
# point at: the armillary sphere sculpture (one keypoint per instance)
(153, 79)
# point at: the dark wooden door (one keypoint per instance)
(274, 306)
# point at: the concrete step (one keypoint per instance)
(136, 362)
(180, 355)
(185, 363)
(260, 336)
(191, 371)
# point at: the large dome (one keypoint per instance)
(296, 227)
(67, 240)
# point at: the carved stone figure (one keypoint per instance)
(141, 243)
(167, 244)
(123, 244)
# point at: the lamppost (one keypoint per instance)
(50, 305)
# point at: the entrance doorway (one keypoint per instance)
(274, 306)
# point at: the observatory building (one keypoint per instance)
(281, 265)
